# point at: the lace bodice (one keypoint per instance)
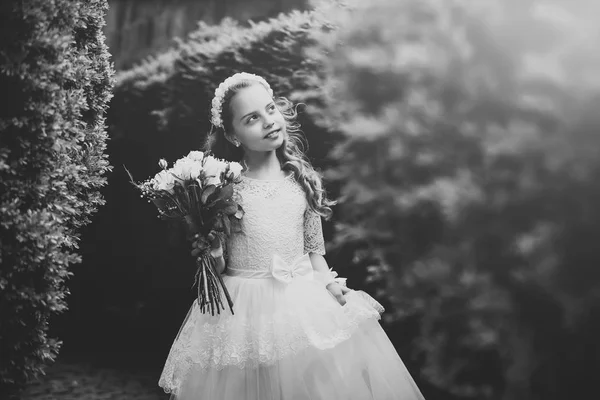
(277, 220)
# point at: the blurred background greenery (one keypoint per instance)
(461, 138)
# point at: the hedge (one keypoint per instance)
(56, 79)
(177, 86)
(469, 175)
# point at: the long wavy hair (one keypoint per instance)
(290, 154)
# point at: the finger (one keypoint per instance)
(211, 236)
(196, 252)
(216, 253)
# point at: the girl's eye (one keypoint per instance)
(250, 119)
(272, 107)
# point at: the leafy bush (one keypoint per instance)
(56, 79)
(469, 175)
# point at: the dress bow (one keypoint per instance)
(301, 268)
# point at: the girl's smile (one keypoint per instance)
(274, 134)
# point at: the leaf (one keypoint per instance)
(179, 189)
(218, 224)
(160, 203)
(194, 192)
(130, 176)
(230, 208)
(226, 207)
(225, 192)
(210, 189)
(226, 225)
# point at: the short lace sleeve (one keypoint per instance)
(313, 233)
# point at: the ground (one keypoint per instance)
(84, 381)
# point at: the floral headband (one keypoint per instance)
(217, 101)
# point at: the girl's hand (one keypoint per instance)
(216, 249)
(198, 245)
(338, 291)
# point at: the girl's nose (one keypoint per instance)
(268, 122)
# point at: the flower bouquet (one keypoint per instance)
(198, 191)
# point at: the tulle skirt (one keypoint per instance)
(286, 342)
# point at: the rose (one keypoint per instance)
(189, 168)
(162, 163)
(164, 180)
(222, 165)
(235, 170)
(196, 170)
(184, 168)
(213, 180)
(213, 168)
(210, 165)
(195, 155)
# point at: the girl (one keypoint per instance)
(297, 333)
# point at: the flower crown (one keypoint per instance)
(217, 101)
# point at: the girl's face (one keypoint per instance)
(257, 122)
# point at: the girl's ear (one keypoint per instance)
(232, 139)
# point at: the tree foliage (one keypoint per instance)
(469, 176)
(56, 79)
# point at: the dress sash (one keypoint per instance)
(299, 269)
(248, 273)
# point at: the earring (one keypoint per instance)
(233, 141)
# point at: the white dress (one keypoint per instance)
(289, 339)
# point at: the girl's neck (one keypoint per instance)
(263, 165)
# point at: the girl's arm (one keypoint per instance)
(319, 264)
(314, 245)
